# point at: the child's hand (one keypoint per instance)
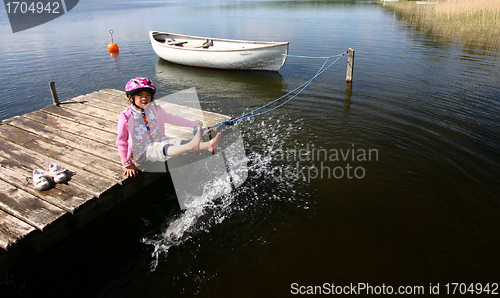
(199, 123)
(130, 170)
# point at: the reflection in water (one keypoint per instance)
(230, 90)
(347, 103)
(114, 56)
(348, 94)
(219, 80)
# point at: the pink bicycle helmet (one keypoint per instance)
(139, 84)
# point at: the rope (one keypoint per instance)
(301, 87)
(310, 57)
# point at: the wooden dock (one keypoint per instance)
(80, 135)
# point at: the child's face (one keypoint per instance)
(142, 99)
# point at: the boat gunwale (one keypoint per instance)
(266, 44)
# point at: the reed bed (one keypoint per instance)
(473, 21)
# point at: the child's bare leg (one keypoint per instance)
(212, 144)
(193, 145)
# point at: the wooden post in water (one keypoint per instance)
(350, 65)
(348, 78)
(52, 86)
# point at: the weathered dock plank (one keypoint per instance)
(104, 101)
(73, 127)
(27, 207)
(101, 116)
(12, 229)
(80, 136)
(62, 152)
(115, 96)
(91, 121)
(84, 144)
(32, 160)
(62, 195)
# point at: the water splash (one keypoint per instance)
(268, 180)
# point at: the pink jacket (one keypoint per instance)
(124, 139)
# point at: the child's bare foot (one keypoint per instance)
(194, 144)
(213, 142)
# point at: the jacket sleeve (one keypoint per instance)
(122, 141)
(174, 119)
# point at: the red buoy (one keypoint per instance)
(113, 48)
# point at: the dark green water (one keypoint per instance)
(422, 209)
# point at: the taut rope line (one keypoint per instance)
(301, 87)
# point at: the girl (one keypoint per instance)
(141, 130)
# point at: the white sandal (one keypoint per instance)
(58, 173)
(40, 180)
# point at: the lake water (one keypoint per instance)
(393, 183)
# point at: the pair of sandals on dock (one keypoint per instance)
(41, 180)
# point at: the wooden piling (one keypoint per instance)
(79, 135)
(52, 86)
(350, 65)
(348, 94)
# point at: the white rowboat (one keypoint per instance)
(218, 52)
